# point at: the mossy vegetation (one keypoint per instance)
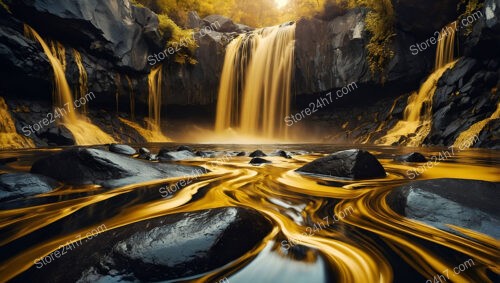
(179, 39)
(380, 24)
(173, 36)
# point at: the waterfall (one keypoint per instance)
(152, 131)
(255, 88)
(154, 99)
(9, 138)
(417, 117)
(84, 132)
(82, 90)
(445, 51)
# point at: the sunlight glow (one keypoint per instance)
(281, 3)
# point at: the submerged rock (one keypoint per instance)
(353, 164)
(241, 153)
(411, 157)
(161, 249)
(258, 160)
(257, 153)
(175, 155)
(80, 166)
(470, 204)
(122, 149)
(18, 185)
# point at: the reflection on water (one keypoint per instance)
(371, 244)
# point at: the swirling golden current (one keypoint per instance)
(324, 229)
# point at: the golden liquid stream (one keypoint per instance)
(417, 119)
(84, 132)
(82, 79)
(475, 130)
(255, 88)
(352, 254)
(155, 80)
(9, 137)
(146, 133)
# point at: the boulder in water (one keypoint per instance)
(257, 153)
(258, 160)
(282, 153)
(19, 185)
(122, 149)
(411, 157)
(161, 249)
(185, 147)
(175, 155)
(353, 164)
(81, 166)
(470, 204)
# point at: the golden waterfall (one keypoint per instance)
(152, 132)
(417, 119)
(82, 90)
(9, 138)
(84, 132)
(254, 93)
(475, 130)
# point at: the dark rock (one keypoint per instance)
(175, 155)
(122, 149)
(107, 28)
(282, 153)
(257, 153)
(193, 20)
(144, 150)
(59, 135)
(463, 69)
(81, 166)
(206, 154)
(258, 160)
(7, 160)
(411, 157)
(220, 23)
(19, 185)
(353, 164)
(469, 204)
(241, 153)
(161, 249)
(185, 147)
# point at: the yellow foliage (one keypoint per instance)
(176, 37)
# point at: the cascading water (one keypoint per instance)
(417, 118)
(84, 132)
(255, 88)
(152, 132)
(82, 89)
(9, 138)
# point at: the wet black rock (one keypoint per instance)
(353, 164)
(185, 147)
(161, 249)
(241, 153)
(18, 185)
(411, 157)
(144, 150)
(166, 155)
(258, 160)
(282, 153)
(122, 149)
(81, 166)
(257, 153)
(470, 204)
